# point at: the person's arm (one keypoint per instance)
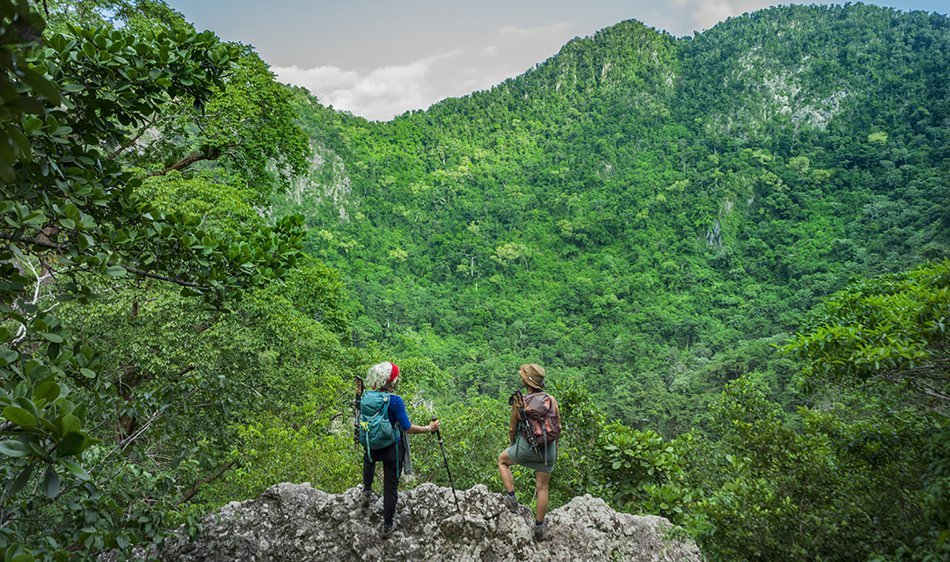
(513, 424)
(402, 418)
(431, 428)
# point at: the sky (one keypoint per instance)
(380, 58)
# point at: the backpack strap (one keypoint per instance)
(544, 428)
(366, 448)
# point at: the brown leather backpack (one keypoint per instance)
(541, 425)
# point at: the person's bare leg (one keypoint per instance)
(504, 469)
(541, 480)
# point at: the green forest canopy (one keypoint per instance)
(641, 213)
(650, 218)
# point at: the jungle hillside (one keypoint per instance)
(730, 252)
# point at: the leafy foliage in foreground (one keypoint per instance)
(119, 386)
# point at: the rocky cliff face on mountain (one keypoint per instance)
(291, 522)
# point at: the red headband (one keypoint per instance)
(394, 374)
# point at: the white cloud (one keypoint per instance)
(385, 92)
(328, 77)
(518, 31)
(381, 93)
(503, 52)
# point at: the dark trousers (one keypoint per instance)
(387, 456)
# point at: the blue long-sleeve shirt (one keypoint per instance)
(397, 412)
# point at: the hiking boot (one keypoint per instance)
(539, 531)
(366, 500)
(510, 502)
(387, 531)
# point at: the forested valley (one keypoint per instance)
(730, 252)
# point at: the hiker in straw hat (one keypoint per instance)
(532, 435)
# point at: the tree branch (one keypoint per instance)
(122, 445)
(929, 390)
(913, 378)
(33, 241)
(188, 368)
(205, 154)
(180, 282)
(131, 141)
(204, 481)
(21, 331)
(135, 270)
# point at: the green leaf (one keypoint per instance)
(36, 371)
(73, 443)
(13, 448)
(69, 424)
(41, 85)
(8, 355)
(76, 470)
(19, 416)
(51, 483)
(35, 219)
(80, 411)
(51, 337)
(27, 404)
(47, 390)
(116, 271)
(21, 480)
(31, 123)
(39, 451)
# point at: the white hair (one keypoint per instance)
(378, 375)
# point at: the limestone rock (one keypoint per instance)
(295, 523)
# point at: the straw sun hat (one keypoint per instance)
(532, 375)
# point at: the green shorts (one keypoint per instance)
(522, 453)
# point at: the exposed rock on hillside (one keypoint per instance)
(292, 522)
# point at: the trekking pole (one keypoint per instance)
(356, 411)
(438, 436)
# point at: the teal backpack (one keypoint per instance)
(376, 432)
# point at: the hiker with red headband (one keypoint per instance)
(383, 425)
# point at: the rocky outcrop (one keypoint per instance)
(291, 522)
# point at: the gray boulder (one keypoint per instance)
(295, 523)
